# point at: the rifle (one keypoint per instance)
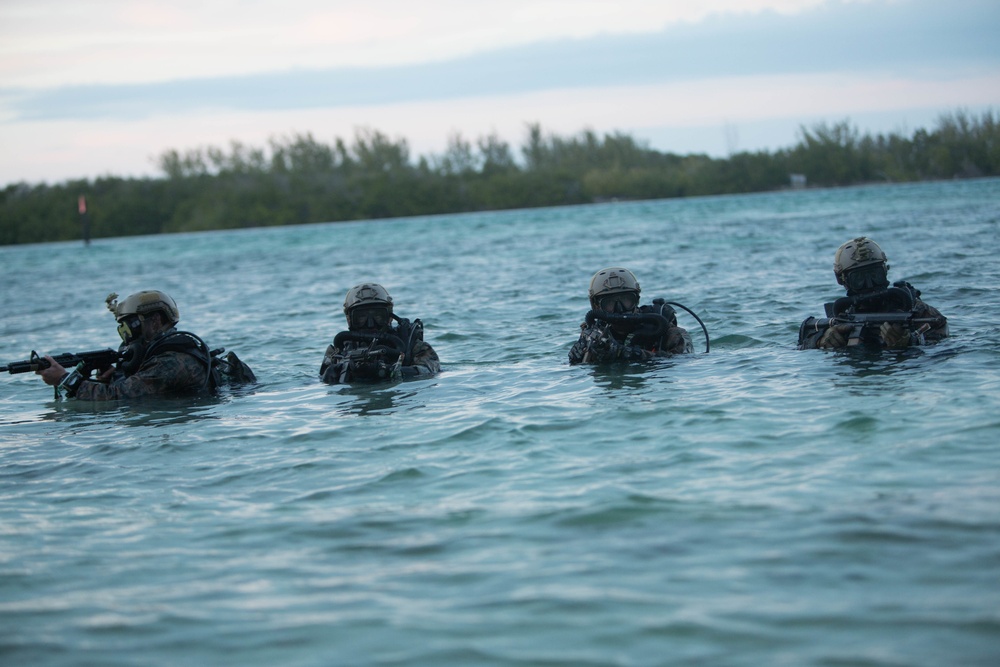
(96, 359)
(860, 321)
(381, 347)
(894, 304)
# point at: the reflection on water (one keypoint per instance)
(615, 377)
(155, 412)
(369, 399)
(864, 362)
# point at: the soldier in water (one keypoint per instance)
(155, 358)
(618, 329)
(862, 268)
(378, 345)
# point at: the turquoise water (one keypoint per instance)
(757, 505)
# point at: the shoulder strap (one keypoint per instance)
(188, 343)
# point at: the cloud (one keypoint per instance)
(46, 43)
(841, 38)
(713, 80)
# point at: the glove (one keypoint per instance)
(375, 368)
(612, 350)
(367, 369)
(894, 335)
(598, 339)
(835, 336)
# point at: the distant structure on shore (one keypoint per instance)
(81, 205)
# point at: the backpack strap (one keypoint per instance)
(188, 343)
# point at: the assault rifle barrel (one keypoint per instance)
(98, 359)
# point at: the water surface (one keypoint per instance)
(755, 505)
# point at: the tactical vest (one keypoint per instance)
(220, 371)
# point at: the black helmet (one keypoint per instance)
(614, 290)
(367, 306)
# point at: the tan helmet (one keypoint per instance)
(143, 303)
(366, 294)
(613, 280)
(856, 253)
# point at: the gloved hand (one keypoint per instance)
(597, 342)
(835, 336)
(371, 369)
(894, 335)
(598, 339)
(615, 351)
(364, 368)
(602, 347)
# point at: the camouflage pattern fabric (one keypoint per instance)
(166, 374)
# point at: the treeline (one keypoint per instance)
(300, 180)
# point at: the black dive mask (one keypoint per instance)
(621, 302)
(373, 318)
(866, 279)
(130, 328)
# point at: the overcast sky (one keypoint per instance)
(103, 87)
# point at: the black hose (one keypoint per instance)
(647, 325)
(703, 327)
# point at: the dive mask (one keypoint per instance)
(130, 328)
(620, 302)
(369, 317)
(866, 279)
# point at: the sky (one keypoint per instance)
(92, 88)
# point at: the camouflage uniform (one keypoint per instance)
(167, 373)
(337, 367)
(605, 344)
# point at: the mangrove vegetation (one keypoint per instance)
(298, 179)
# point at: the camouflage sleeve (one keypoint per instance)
(331, 356)
(167, 374)
(810, 334)
(579, 349)
(677, 341)
(425, 361)
(939, 329)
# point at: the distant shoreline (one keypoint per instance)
(302, 181)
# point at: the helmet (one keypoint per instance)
(614, 290)
(144, 303)
(861, 265)
(131, 312)
(367, 306)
